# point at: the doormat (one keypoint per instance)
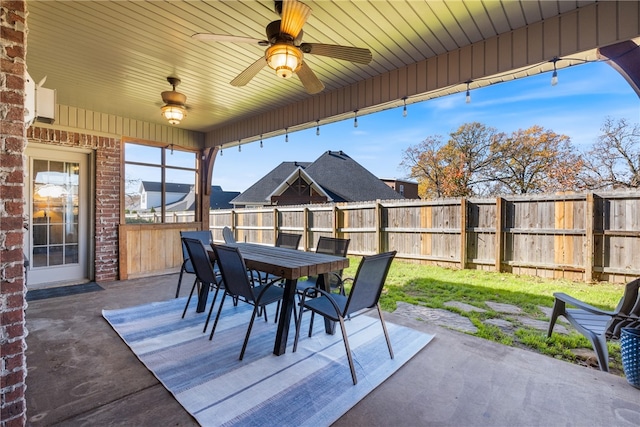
(62, 291)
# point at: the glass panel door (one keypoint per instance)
(55, 207)
(58, 199)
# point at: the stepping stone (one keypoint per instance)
(436, 316)
(464, 307)
(547, 312)
(503, 308)
(541, 325)
(505, 325)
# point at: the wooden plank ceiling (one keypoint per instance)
(114, 56)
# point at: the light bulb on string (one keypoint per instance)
(317, 127)
(554, 76)
(468, 95)
(260, 140)
(355, 119)
(404, 108)
(220, 151)
(286, 134)
(239, 146)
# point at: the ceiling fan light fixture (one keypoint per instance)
(173, 110)
(284, 58)
(173, 113)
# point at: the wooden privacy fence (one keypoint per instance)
(583, 236)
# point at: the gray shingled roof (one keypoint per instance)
(344, 179)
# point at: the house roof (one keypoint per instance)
(219, 198)
(342, 179)
(171, 187)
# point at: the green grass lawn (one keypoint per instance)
(431, 286)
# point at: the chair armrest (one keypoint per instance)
(580, 304)
(312, 290)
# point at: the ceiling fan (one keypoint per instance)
(285, 50)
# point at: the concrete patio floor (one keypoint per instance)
(81, 373)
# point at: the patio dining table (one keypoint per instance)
(290, 264)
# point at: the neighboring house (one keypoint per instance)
(182, 197)
(333, 177)
(151, 192)
(409, 189)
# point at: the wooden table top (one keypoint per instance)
(289, 263)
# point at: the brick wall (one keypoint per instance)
(13, 369)
(107, 191)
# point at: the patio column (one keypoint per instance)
(13, 365)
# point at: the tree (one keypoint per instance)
(614, 159)
(426, 165)
(456, 168)
(534, 160)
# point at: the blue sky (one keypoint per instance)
(577, 106)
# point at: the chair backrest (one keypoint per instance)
(627, 313)
(234, 271)
(288, 240)
(204, 236)
(202, 265)
(367, 285)
(333, 246)
(227, 235)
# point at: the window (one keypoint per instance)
(160, 184)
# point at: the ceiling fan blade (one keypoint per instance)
(208, 37)
(294, 15)
(309, 79)
(245, 77)
(345, 53)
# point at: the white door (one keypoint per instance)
(57, 243)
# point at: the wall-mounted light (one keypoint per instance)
(173, 110)
(284, 58)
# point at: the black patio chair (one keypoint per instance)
(238, 285)
(328, 246)
(206, 238)
(205, 272)
(364, 296)
(596, 324)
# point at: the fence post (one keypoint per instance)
(305, 229)
(499, 236)
(334, 221)
(463, 233)
(379, 243)
(589, 238)
(276, 225)
(233, 222)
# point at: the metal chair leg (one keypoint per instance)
(246, 338)
(346, 346)
(215, 323)
(384, 329)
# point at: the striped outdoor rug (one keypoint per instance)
(311, 387)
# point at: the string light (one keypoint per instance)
(239, 146)
(404, 108)
(468, 96)
(286, 134)
(318, 127)
(221, 151)
(260, 140)
(554, 76)
(355, 118)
